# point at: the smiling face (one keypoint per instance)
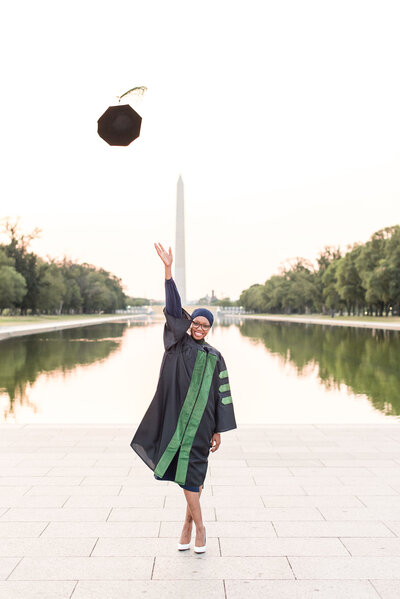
(198, 332)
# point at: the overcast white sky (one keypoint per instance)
(282, 117)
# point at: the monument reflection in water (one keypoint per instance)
(280, 372)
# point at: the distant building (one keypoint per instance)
(204, 301)
(180, 261)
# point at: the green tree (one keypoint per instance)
(12, 287)
(368, 262)
(24, 262)
(331, 297)
(349, 283)
(4, 259)
(12, 284)
(300, 293)
(136, 301)
(253, 298)
(392, 264)
(325, 278)
(275, 289)
(51, 288)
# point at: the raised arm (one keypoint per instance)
(172, 298)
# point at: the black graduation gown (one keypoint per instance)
(192, 402)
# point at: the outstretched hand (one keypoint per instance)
(165, 256)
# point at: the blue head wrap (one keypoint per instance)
(203, 312)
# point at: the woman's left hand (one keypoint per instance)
(215, 442)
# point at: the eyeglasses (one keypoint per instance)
(198, 325)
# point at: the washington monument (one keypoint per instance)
(180, 266)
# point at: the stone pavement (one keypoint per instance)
(291, 511)
(385, 323)
(21, 329)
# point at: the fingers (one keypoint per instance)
(159, 249)
(215, 445)
(165, 256)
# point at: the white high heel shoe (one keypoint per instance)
(183, 546)
(203, 548)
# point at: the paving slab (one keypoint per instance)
(352, 489)
(61, 589)
(287, 488)
(70, 491)
(380, 500)
(279, 546)
(118, 501)
(21, 529)
(372, 547)
(103, 529)
(83, 568)
(334, 529)
(198, 567)
(387, 589)
(354, 567)
(7, 565)
(317, 501)
(276, 514)
(394, 526)
(55, 515)
(44, 546)
(41, 501)
(151, 589)
(361, 513)
(301, 589)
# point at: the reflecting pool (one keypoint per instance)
(279, 373)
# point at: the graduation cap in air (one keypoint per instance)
(120, 124)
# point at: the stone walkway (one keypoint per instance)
(21, 329)
(385, 323)
(291, 511)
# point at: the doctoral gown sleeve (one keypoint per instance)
(175, 328)
(177, 320)
(172, 299)
(224, 412)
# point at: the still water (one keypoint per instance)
(279, 373)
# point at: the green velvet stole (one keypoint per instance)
(189, 417)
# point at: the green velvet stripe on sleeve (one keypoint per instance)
(226, 400)
(225, 387)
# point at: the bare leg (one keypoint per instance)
(194, 509)
(187, 526)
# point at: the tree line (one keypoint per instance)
(363, 280)
(30, 284)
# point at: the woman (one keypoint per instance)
(191, 407)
